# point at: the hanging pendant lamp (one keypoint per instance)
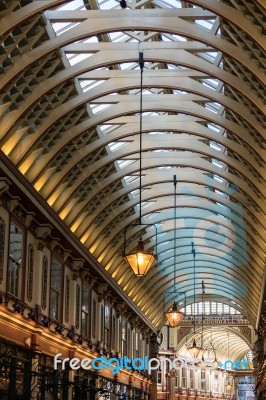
(174, 316)
(140, 260)
(194, 349)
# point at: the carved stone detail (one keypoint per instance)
(77, 264)
(119, 306)
(134, 320)
(53, 244)
(4, 186)
(20, 213)
(101, 289)
(29, 218)
(12, 204)
(66, 255)
(43, 231)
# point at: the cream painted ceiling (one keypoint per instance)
(70, 105)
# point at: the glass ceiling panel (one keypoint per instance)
(209, 308)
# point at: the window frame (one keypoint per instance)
(88, 314)
(22, 273)
(59, 261)
(107, 329)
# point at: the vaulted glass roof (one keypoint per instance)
(70, 123)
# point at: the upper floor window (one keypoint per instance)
(113, 332)
(216, 383)
(93, 330)
(56, 289)
(129, 343)
(85, 311)
(107, 326)
(203, 380)
(184, 378)
(15, 260)
(191, 379)
(137, 344)
(123, 337)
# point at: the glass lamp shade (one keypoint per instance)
(194, 349)
(174, 316)
(140, 261)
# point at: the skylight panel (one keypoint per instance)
(211, 108)
(135, 193)
(117, 36)
(161, 151)
(89, 84)
(211, 55)
(92, 39)
(208, 85)
(127, 66)
(217, 163)
(151, 216)
(212, 82)
(165, 39)
(96, 108)
(146, 204)
(218, 178)
(108, 4)
(205, 24)
(130, 179)
(221, 205)
(72, 5)
(165, 167)
(180, 92)
(215, 146)
(214, 127)
(76, 58)
(178, 38)
(61, 27)
(106, 128)
(220, 193)
(169, 3)
(113, 146)
(124, 163)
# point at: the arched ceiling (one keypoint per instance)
(70, 105)
(220, 342)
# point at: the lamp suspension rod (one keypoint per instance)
(202, 316)
(175, 272)
(141, 65)
(194, 255)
